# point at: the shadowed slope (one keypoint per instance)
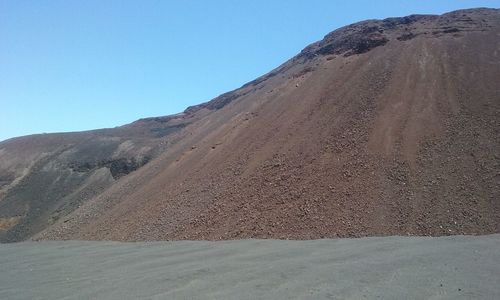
(45, 177)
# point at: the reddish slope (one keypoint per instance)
(384, 127)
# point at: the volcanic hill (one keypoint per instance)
(384, 127)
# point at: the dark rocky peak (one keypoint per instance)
(360, 37)
(363, 36)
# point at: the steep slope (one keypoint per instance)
(383, 127)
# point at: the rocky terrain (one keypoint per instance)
(384, 127)
(45, 177)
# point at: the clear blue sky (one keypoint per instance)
(78, 65)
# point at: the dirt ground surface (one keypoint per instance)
(454, 267)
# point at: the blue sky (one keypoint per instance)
(79, 65)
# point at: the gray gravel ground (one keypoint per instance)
(457, 267)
